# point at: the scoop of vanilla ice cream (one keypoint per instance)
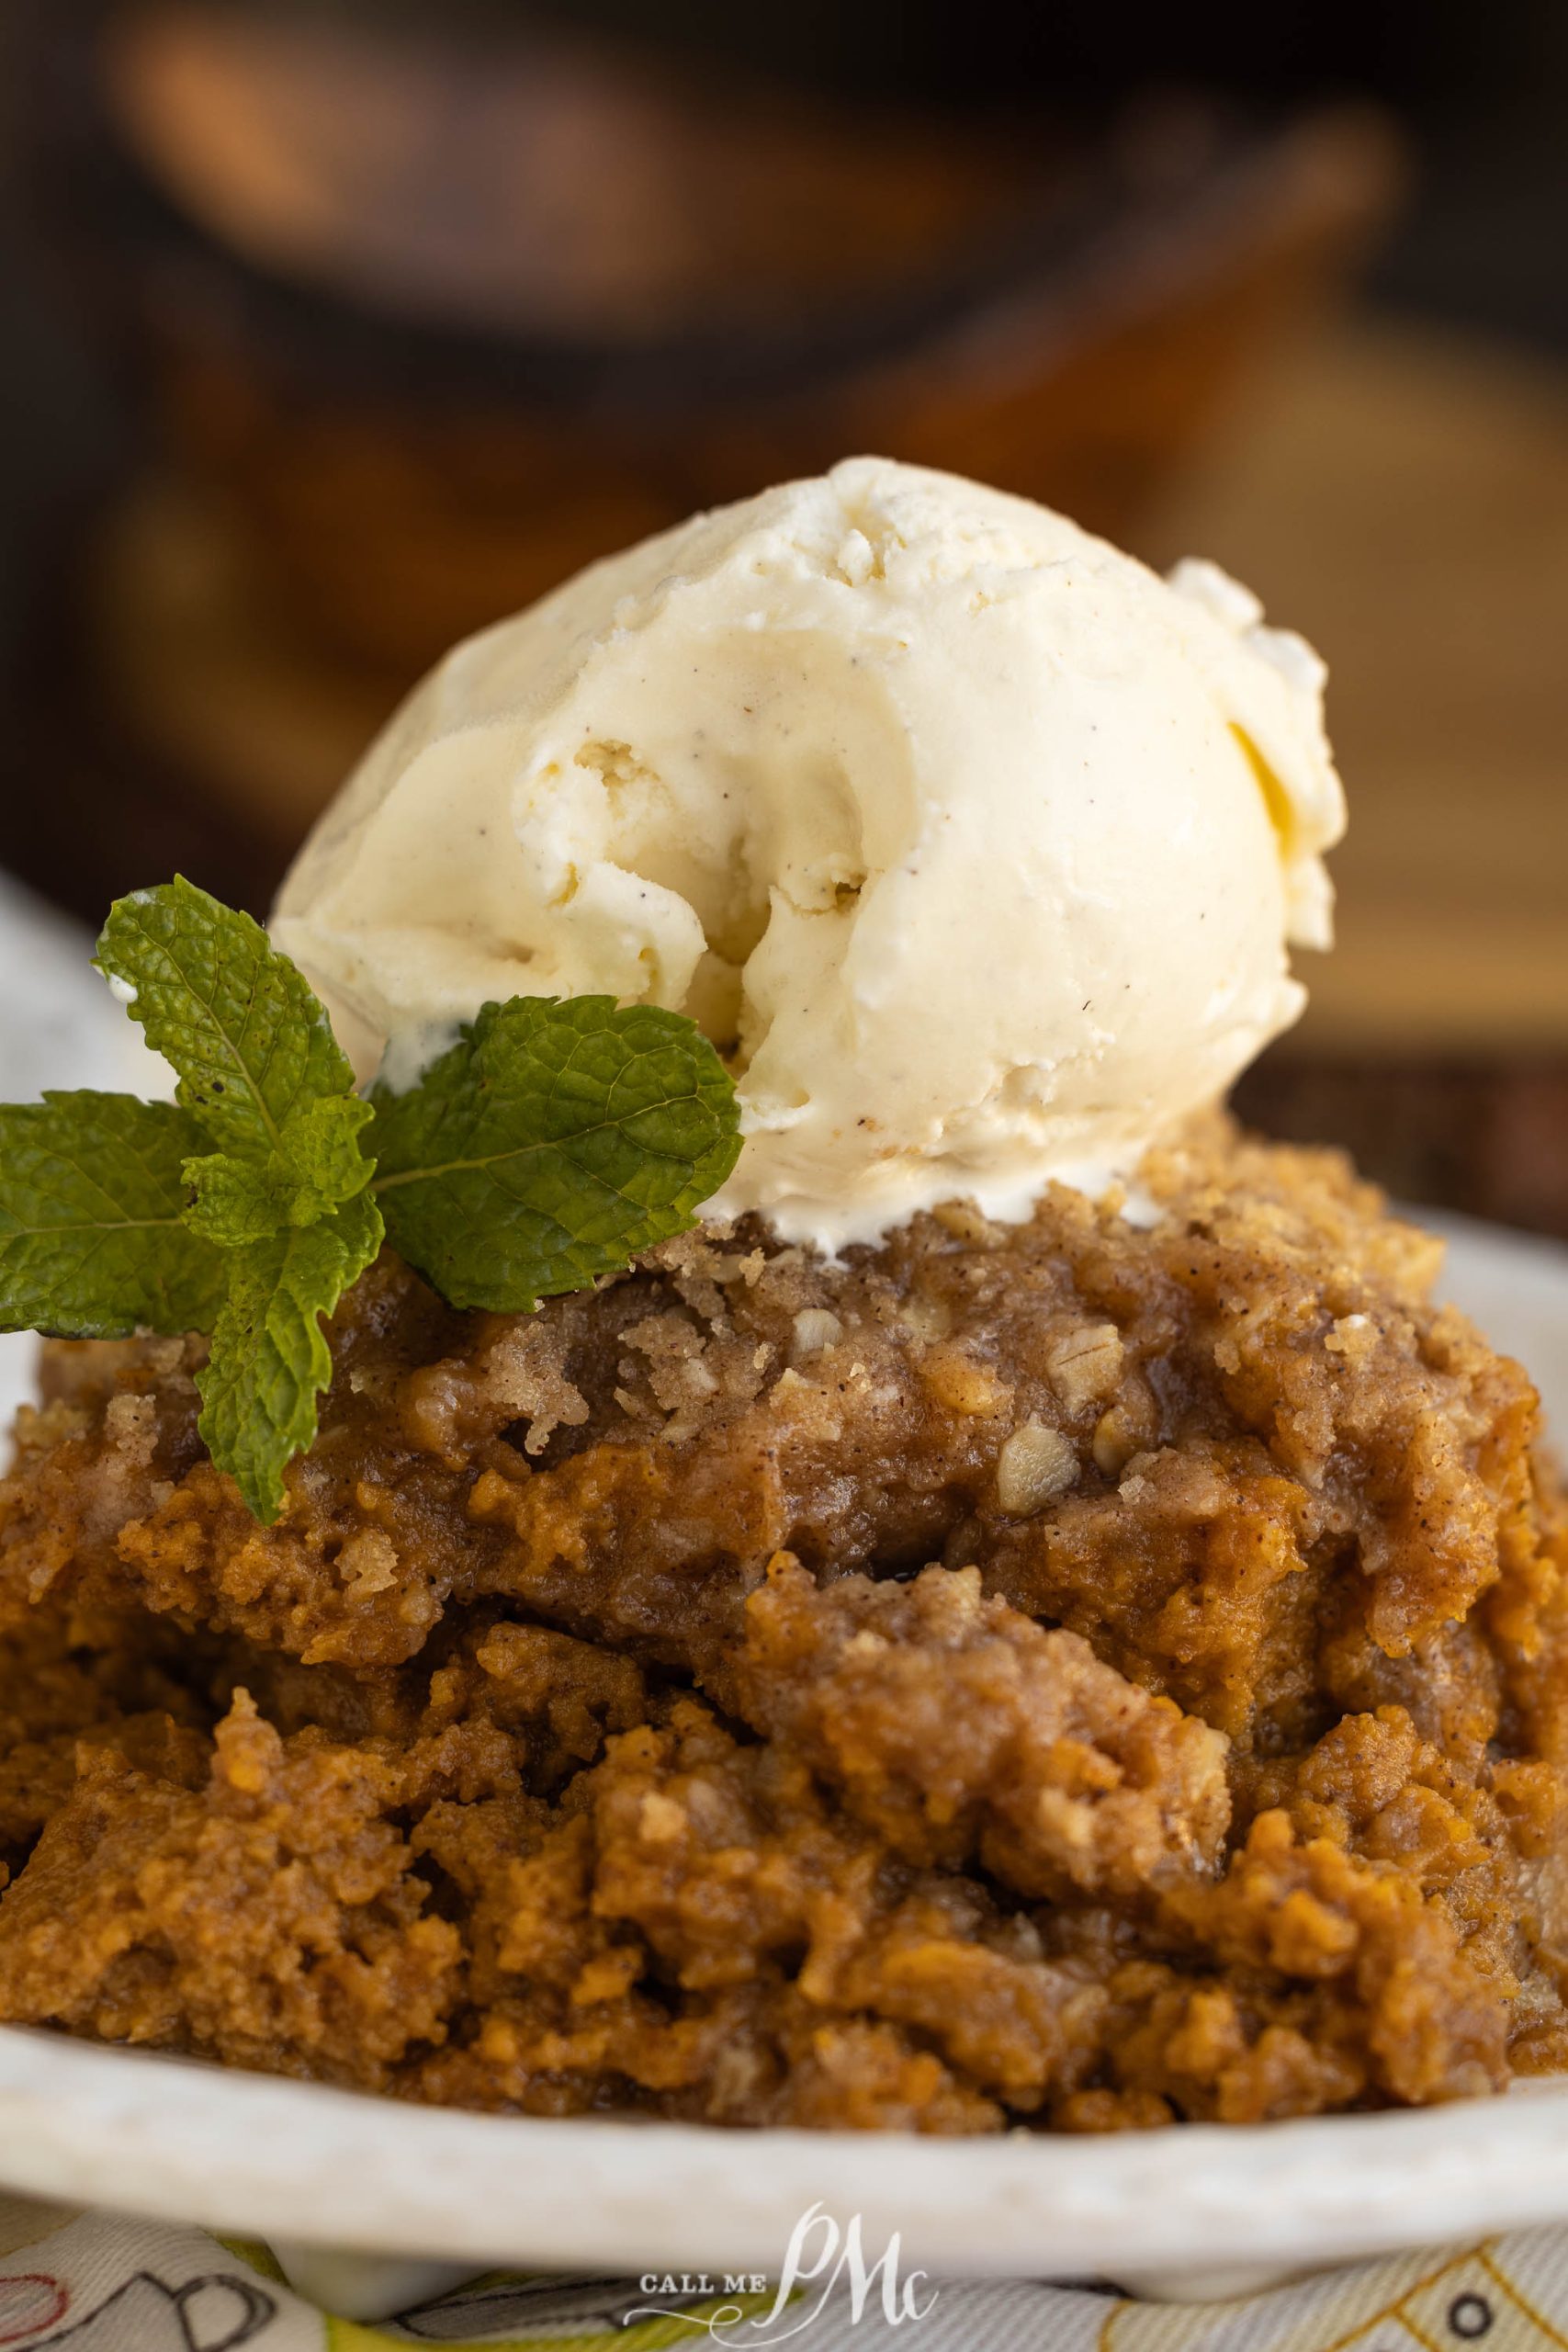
(974, 843)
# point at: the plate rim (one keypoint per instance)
(234, 2151)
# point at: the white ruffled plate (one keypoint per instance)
(1191, 2209)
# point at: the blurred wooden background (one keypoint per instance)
(1402, 497)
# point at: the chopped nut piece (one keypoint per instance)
(1084, 1365)
(815, 1327)
(927, 1317)
(963, 1384)
(1115, 1443)
(1035, 1466)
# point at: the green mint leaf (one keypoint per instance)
(234, 1201)
(554, 1142)
(92, 1245)
(318, 1164)
(321, 1156)
(248, 1038)
(270, 1358)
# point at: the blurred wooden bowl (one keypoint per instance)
(434, 323)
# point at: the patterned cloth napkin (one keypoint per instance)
(97, 2284)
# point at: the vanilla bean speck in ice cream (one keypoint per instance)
(976, 845)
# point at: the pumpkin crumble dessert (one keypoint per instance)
(788, 1610)
(1067, 1671)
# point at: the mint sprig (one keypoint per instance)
(551, 1144)
(281, 1201)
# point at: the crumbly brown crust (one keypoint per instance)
(1083, 1673)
